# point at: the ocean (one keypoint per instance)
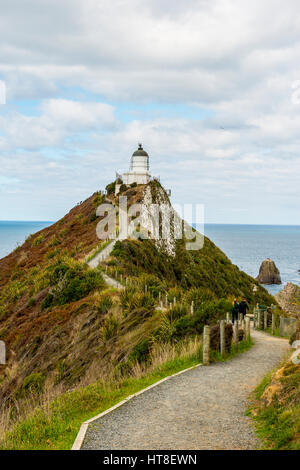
(14, 233)
(246, 245)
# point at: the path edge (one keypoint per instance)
(84, 426)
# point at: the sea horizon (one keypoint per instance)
(246, 245)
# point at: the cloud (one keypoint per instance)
(83, 61)
(60, 119)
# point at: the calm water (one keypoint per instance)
(13, 234)
(246, 245)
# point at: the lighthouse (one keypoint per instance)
(139, 168)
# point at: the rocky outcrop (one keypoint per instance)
(269, 273)
(289, 299)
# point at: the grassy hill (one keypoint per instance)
(64, 328)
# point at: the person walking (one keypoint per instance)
(243, 307)
(235, 311)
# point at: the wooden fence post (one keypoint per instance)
(273, 323)
(248, 329)
(228, 317)
(206, 345)
(244, 327)
(222, 338)
(259, 320)
(174, 301)
(236, 333)
(265, 320)
(166, 300)
(192, 308)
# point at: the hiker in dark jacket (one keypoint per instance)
(235, 311)
(243, 307)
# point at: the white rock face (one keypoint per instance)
(162, 227)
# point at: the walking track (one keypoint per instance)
(203, 408)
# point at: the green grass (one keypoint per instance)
(278, 424)
(276, 332)
(279, 427)
(242, 347)
(56, 427)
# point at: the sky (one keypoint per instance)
(211, 89)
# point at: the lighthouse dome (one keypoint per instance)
(139, 161)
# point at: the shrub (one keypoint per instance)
(178, 311)
(123, 188)
(99, 199)
(153, 283)
(54, 242)
(133, 300)
(31, 302)
(32, 385)
(110, 188)
(93, 217)
(141, 351)
(104, 305)
(72, 281)
(109, 328)
(38, 240)
(198, 295)
(174, 292)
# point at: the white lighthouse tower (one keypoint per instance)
(139, 168)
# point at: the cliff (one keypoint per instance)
(289, 299)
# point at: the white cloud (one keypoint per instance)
(237, 59)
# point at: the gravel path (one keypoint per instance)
(200, 409)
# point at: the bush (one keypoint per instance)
(110, 188)
(104, 305)
(72, 281)
(174, 292)
(141, 351)
(153, 283)
(178, 311)
(32, 385)
(109, 328)
(131, 300)
(93, 217)
(38, 240)
(123, 188)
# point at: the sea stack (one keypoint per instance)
(269, 273)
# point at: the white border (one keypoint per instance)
(84, 427)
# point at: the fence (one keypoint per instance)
(222, 336)
(265, 318)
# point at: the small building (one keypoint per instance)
(139, 168)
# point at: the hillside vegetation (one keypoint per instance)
(65, 329)
(276, 411)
